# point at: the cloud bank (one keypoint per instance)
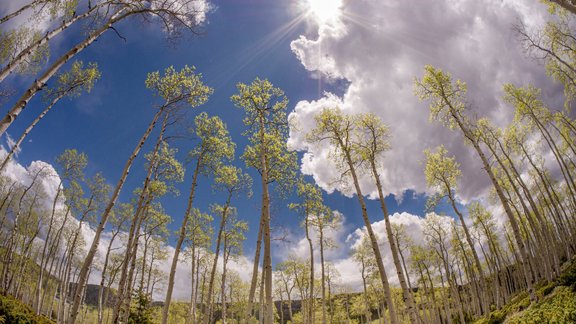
(380, 47)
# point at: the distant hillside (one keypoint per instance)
(92, 295)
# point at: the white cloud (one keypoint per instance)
(381, 46)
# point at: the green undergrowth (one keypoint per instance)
(556, 303)
(16, 312)
(558, 307)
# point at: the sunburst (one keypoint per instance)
(324, 10)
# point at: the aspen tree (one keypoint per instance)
(231, 181)
(448, 105)
(233, 237)
(372, 141)
(175, 16)
(267, 130)
(178, 90)
(214, 147)
(338, 130)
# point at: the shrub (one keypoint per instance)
(14, 311)
(141, 312)
(547, 290)
(568, 277)
(496, 317)
(558, 307)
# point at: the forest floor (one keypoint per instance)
(14, 311)
(556, 303)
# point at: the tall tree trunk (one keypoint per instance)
(371, 235)
(180, 241)
(514, 224)
(223, 284)
(120, 308)
(323, 274)
(102, 281)
(43, 257)
(543, 230)
(254, 280)
(208, 316)
(83, 275)
(366, 302)
(12, 239)
(191, 318)
(311, 307)
(468, 134)
(267, 262)
(406, 294)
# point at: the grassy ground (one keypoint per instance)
(556, 303)
(14, 311)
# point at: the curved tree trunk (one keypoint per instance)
(27, 131)
(371, 235)
(406, 294)
(25, 53)
(180, 241)
(83, 275)
(208, 315)
(21, 10)
(40, 82)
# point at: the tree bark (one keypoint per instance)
(566, 4)
(208, 315)
(254, 280)
(323, 274)
(20, 10)
(43, 258)
(180, 241)
(371, 235)
(83, 276)
(311, 250)
(406, 294)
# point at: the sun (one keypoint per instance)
(324, 10)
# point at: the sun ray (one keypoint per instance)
(258, 50)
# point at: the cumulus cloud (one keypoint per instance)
(380, 47)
